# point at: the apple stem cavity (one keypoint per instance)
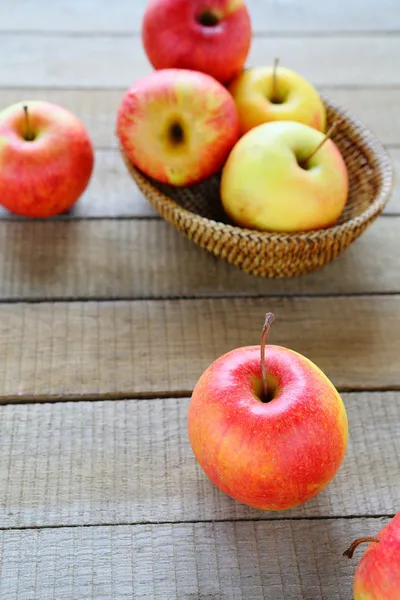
(274, 81)
(208, 19)
(326, 137)
(350, 551)
(176, 133)
(28, 136)
(269, 319)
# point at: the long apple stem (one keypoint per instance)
(350, 551)
(274, 80)
(326, 137)
(269, 319)
(28, 133)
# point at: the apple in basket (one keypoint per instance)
(211, 36)
(267, 426)
(377, 576)
(46, 159)
(284, 176)
(264, 94)
(177, 126)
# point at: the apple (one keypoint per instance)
(377, 576)
(264, 94)
(46, 159)
(284, 176)
(211, 36)
(177, 126)
(267, 426)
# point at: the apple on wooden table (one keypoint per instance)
(284, 176)
(267, 426)
(46, 159)
(264, 94)
(211, 36)
(377, 576)
(177, 126)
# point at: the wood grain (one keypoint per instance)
(115, 62)
(98, 108)
(126, 16)
(125, 349)
(131, 462)
(219, 561)
(112, 193)
(105, 259)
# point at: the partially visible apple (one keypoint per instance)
(46, 159)
(264, 94)
(267, 427)
(211, 36)
(177, 126)
(275, 180)
(377, 576)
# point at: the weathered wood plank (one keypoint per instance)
(131, 462)
(98, 108)
(136, 259)
(122, 349)
(112, 193)
(232, 561)
(126, 16)
(115, 62)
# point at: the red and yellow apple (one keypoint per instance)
(46, 159)
(177, 126)
(211, 36)
(275, 180)
(270, 437)
(377, 576)
(261, 97)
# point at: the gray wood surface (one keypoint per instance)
(98, 108)
(101, 498)
(285, 560)
(95, 463)
(269, 16)
(116, 62)
(105, 259)
(112, 193)
(151, 347)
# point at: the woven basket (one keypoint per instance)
(197, 212)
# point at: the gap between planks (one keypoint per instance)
(207, 521)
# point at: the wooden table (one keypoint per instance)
(108, 317)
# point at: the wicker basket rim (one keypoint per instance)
(384, 166)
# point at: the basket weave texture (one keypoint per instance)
(197, 212)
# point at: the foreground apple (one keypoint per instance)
(377, 575)
(212, 36)
(264, 94)
(284, 176)
(46, 159)
(177, 126)
(269, 431)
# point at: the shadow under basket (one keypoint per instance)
(197, 212)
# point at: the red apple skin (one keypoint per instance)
(173, 38)
(46, 176)
(275, 455)
(203, 108)
(377, 575)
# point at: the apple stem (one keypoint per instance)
(28, 134)
(350, 551)
(274, 79)
(269, 319)
(326, 137)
